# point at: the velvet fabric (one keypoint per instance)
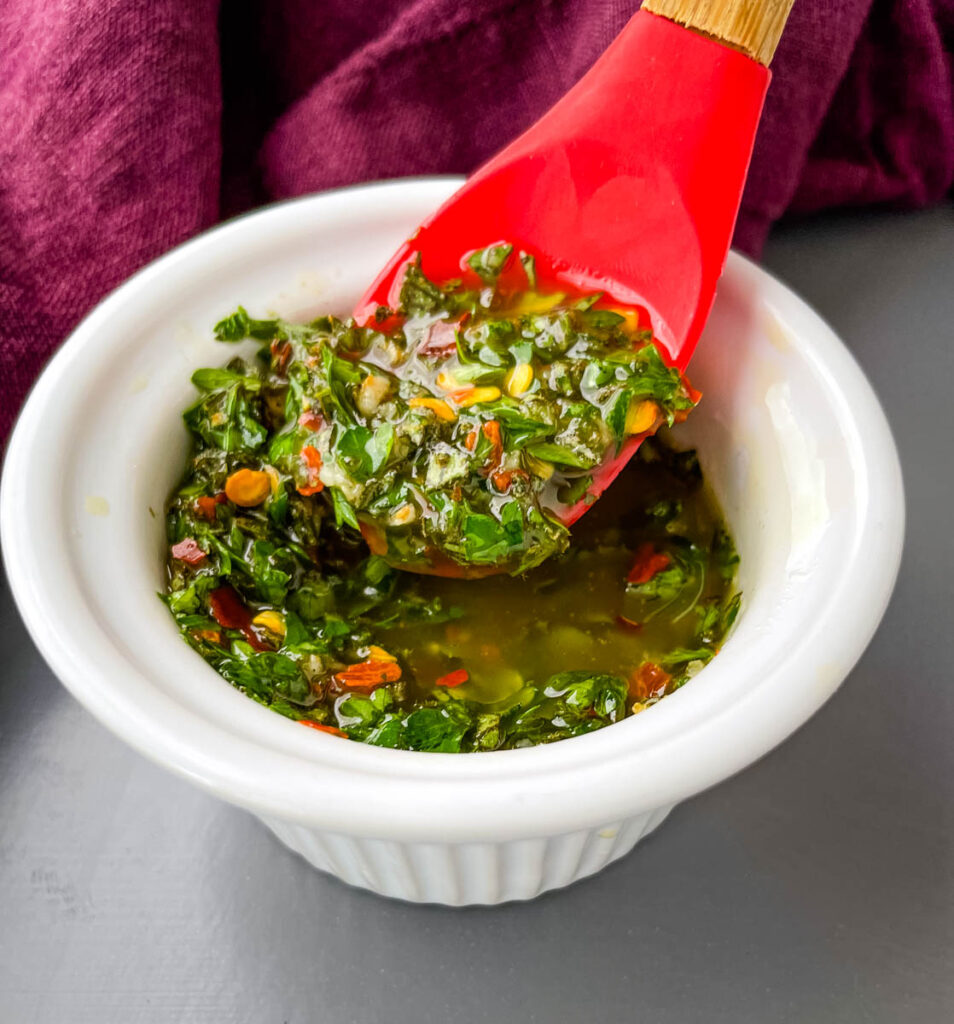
(127, 126)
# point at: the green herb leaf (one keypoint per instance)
(571, 492)
(380, 445)
(488, 263)
(228, 419)
(484, 538)
(665, 510)
(724, 554)
(210, 379)
(239, 325)
(615, 410)
(436, 729)
(681, 656)
(664, 586)
(477, 373)
(339, 374)
(602, 318)
(351, 450)
(344, 511)
(519, 430)
(266, 675)
(529, 265)
(561, 454)
(418, 293)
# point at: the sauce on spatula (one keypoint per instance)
(461, 429)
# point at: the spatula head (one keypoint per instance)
(630, 185)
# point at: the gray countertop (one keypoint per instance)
(816, 886)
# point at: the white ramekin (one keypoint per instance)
(790, 435)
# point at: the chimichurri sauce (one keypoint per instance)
(447, 435)
(456, 430)
(290, 608)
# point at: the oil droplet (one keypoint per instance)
(97, 506)
(138, 384)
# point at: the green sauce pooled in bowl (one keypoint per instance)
(448, 433)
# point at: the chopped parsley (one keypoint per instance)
(447, 435)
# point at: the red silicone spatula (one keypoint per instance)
(631, 183)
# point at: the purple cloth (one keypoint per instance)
(125, 127)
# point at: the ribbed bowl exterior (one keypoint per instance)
(462, 874)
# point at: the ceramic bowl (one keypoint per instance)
(791, 438)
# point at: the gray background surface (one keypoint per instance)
(817, 886)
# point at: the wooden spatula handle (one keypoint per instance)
(752, 26)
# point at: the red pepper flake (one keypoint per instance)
(188, 551)
(281, 351)
(441, 340)
(647, 563)
(373, 537)
(470, 442)
(323, 728)
(455, 678)
(311, 420)
(628, 623)
(366, 675)
(649, 680)
(504, 478)
(229, 611)
(491, 430)
(384, 320)
(205, 505)
(311, 458)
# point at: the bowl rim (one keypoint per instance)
(362, 790)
